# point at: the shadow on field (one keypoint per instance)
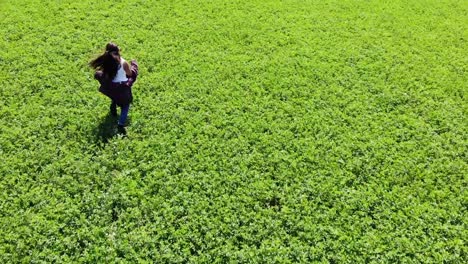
(106, 129)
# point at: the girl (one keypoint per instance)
(116, 78)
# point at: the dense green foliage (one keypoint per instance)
(262, 131)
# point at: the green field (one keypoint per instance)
(261, 132)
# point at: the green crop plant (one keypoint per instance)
(262, 131)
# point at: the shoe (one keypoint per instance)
(121, 130)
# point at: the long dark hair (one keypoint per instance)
(108, 62)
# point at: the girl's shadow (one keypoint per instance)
(107, 129)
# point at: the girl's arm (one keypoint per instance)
(127, 70)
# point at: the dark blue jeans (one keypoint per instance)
(123, 112)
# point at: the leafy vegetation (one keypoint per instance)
(261, 131)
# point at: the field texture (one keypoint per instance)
(261, 132)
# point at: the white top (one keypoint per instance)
(121, 76)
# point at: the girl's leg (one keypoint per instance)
(113, 108)
(123, 114)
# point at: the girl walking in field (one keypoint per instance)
(116, 77)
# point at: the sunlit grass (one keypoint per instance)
(261, 131)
